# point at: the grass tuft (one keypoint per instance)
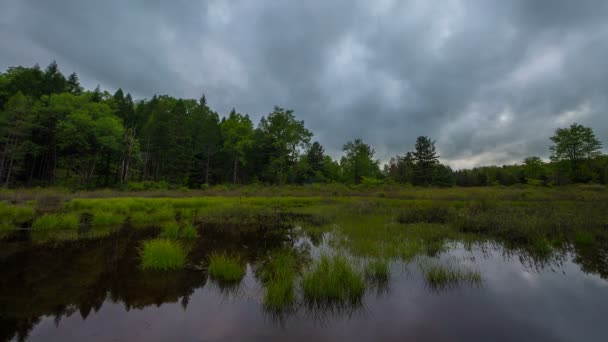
(170, 230)
(162, 254)
(333, 280)
(225, 268)
(279, 278)
(16, 214)
(57, 221)
(189, 231)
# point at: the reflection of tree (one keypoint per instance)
(593, 259)
(78, 276)
(45, 280)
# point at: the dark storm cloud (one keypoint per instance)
(490, 80)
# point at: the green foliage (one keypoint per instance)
(333, 280)
(285, 136)
(574, 143)
(359, 162)
(162, 254)
(237, 132)
(56, 221)
(53, 132)
(225, 268)
(425, 160)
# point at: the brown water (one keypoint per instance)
(94, 290)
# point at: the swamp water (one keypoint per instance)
(93, 288)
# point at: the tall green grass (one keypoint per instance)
(162, 254)
(279, 279)
(56, 221)
(170, 230)
(333, 280)
(16, 214)
(107, 219)
(189, 231)
(225, 268)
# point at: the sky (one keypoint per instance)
(489, 80)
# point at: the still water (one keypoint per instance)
(94, 290)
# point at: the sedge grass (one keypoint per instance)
(225, 268)
(170, 230)
(56, 221)
(189, 231)
(279, 278)
(162, 254)
(333, 280)
(107, 219)
(16, 214)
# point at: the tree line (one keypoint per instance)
(54, 132)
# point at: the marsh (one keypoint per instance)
(495, 265)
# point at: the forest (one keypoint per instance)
(55, 133)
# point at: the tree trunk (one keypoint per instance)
(207, 167)
(4, 155)
(8, 174)
(236, 160)
(31, 177)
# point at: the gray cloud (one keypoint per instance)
(490, 80)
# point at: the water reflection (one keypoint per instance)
(78, 290)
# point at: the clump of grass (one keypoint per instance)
(225, 268)
(333, 280)
(170, 230)
(56, 221)
(442, 276)
(279, 277)
(377, 271)
(162, 254)
(106, 219)
(189, 231)
(16, 214)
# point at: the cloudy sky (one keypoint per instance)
(489, 80)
